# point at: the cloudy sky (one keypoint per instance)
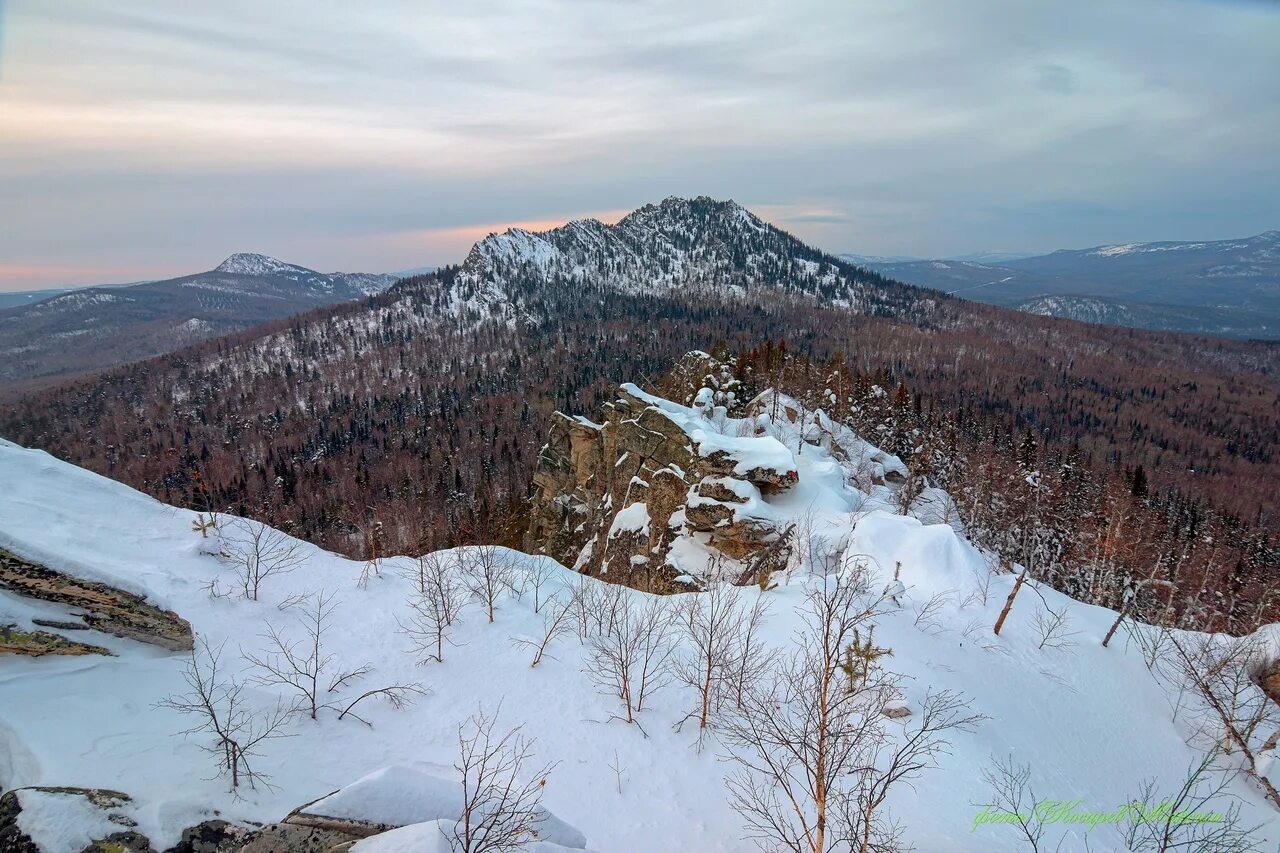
(142, 139)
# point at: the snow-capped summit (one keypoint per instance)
(251, 263)
(676, 244)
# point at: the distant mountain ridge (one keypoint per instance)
(697, 244)
(431, 397)
(1228, 288)
(88, 328)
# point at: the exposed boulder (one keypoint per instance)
(105, 608)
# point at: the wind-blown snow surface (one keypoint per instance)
(1091, 721)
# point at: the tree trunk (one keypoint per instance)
(1124, 611)
(1008, 604)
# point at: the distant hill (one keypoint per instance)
(1227, 288)
(19, 298)
(71, 331)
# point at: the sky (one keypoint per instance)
(143, 139)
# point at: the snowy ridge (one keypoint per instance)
(678, 243)
(250, 263)
(1067, 712)
(255, 265)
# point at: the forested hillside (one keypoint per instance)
(413, 419)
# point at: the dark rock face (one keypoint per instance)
(121, 842)
(14, 840)
(212, 836)
(105, 608)
(588, 473)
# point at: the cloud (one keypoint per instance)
(377, 136)
(1056, 79)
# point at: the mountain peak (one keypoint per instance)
(251, 263)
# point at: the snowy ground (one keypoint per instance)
(1092, 722)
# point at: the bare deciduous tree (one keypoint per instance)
(1008, 603)
(237, 731)
(1229, 709)
(556, 622)
(804, 735)
(631, 658)
(501, 792)
(487, 570)
(438, 597)
(1161, 823)
(257, 552)
(721, 638)
(303, 665)
(922, 741)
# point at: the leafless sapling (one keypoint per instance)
(556, 622)
(438, 597)
(631, 659)
(487, 571)
(717, 633)
(535, 577)
(1053, 627)
(501, 789)
(236, 730)
(1012, 801)
(257, 552)
(303, 665)
(1187, 820)
(802, 736)
(926, 618)
(398, 695)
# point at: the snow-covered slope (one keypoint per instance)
(1091, 722)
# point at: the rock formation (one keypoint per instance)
(100, 606)
(613, 498)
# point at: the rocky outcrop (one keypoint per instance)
(213, 836)
(611, 497)
(111, 804)
(286, 837)
(103, 607)
(35, 643)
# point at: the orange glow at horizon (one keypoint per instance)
(35, 275)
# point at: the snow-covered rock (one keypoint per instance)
(401, 796)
